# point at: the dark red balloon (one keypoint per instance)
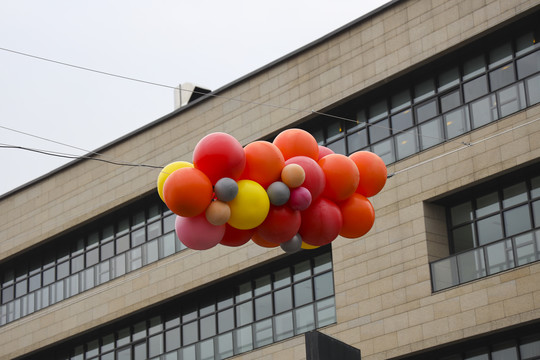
(219, 155)
(321, 222)
(280, 225)
(315, 179)
(236, 237)
(257, 239)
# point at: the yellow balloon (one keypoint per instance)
(250, 207)
(306, 246)
(168, 170)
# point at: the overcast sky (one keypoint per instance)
(210, 43)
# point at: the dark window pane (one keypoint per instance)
(138, 237)
(283, 300)
(244, 314)
(156, 325)
(505, 351)
(243, 292)
(377, 111)
(400, 100)
(475, 88)
(93, 239)
(500, 55)
(190, 333)
(424, 90)
(402, 121)
(322, 263)
(139, 330)
(431, 133)
(511, 99)
(283, 277)
(514, 194)
(208, 326)
(225, 298)
(379, 131)
(172, 339)
(528, 65)
(489, 229)
(448, 79)
(48, 276)
(357, 141)
(77, 247)
(517, 220)
(92, 348)
(168, 223)
(155, 345)
(337, 146)
(457, 122)
(107, 343)
(484, 111)
(461, 213)
(463, 238)
(189, 312)
(8, 294)
(92, 257)
(303, 293)
(34, 282)
(334, 130)
(225, 320)
(473, 67)
(263, 333)
(324, 286)
(262, 285)
(107, 250)
(77, 264)
(426, 111)
(487, 204)
(526, 43)
(62, 270)
(263, 307)
(450, 101)
(530, 346)
(122, 244)
(533, 90)
(302, 270)
(21, 288)
(536, 213)
(501, 77)
(406, 144)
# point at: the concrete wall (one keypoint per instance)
(383, 295)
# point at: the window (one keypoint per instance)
(272, 303)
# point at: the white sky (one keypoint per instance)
(210, 43)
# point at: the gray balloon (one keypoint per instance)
(278, 193)
(292, 245)
(226, 189)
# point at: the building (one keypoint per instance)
(446, 92)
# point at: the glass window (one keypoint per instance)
(225, 346)
(475, 88)
(302, 270)
(168, 223)
(34, 282)
(424, 90)
(536, 213)
(244, 313)
(263, 333)
(473, 67)
(123, 337)
(517, 220)
(243, 291)
(400, 100)
(138, 237)
(530, 346)
(224, 298)
(283, 299)
(189, 333)
(402, 121)
(322, 263)
(484, 111)
(471, 265)
(500, 55)
(122, 244)
(93, 239)
(528, 65)
(263, 307)
(489, 229)
(284, 326)
(501, 77)
(526, 43)
(8, 294)
(208, 326)
(225, 320)
(243, 339)
(107, 250)
(533, 90)
(139, 351)
(324, 286)
(511, 99)
(326, 312)
(283, 277)
(107, 343)
(487, 204)
(378, 111)
(499, 256)
(334, 130)
(444, 273)
(448, 78)
(62, 270)
(189, 312)
(379, 131)
(188, 353)
(337, 146)
(303, 293)
(172, 339)
(92, 257)
(406, 144)
(154, 230)
(48, 276)
(431, 133)
(457, 122)
(357, 141)
(461, 213)
(463, 238)
(151, 251)
(426, 111)
(514, 194)
(305, 319)
(450, 101)
(505, 351)
(384, 150)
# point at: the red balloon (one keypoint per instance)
(280, 225)
(372, 170)
(187, 192)
(323, 151)
(358, 216)
(315, 179)
(321, 222)
(264, 163)
(219, 155)
(197, 233)
(342, 176)
(257, 239)
(236, 237)
(297, 142)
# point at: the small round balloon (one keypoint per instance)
(280, 224)
(293, 245)
(297, 142)
(321, 222)
(293, 175)
(168, 170)
(315, 180)
(226, 189)
(358, 216)
(235, 237)
(219, 155)
(187, 192)
(250, 207)
(278, 193)
(300, 199)
(323, 151)
(218, 213)
(197, 233)
(264, 162)
(341, 176)
(372, 171)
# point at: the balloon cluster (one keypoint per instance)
(291, 192)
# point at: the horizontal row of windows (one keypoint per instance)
(80, 262)
(273, 303)
(480, 89)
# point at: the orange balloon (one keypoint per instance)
(187, 192)
(372, 172)
(257, 239)
(341, 175)
(297, 142)
(264, 162)
(358, 216)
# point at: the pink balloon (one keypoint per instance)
(323, 151)
(315, 179)
(300, 198)
(197, 233)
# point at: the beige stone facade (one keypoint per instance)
(384, 300)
